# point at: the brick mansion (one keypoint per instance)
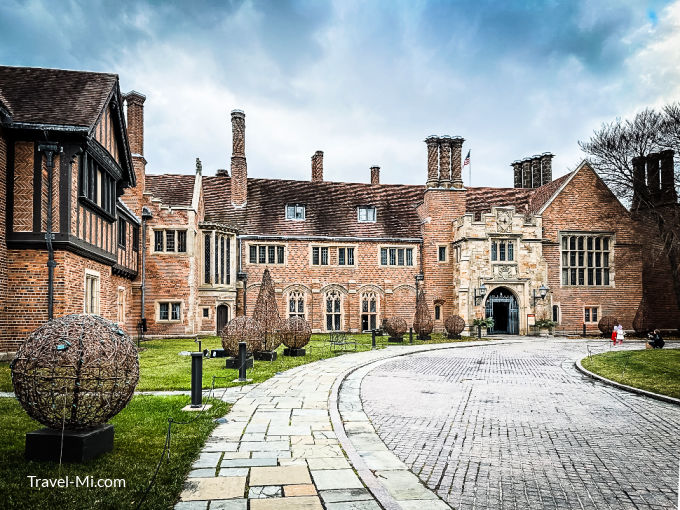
(85, 229)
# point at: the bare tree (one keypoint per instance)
(611, 150)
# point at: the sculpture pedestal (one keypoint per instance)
(396, 339)
(79, 445)
(294, 351)
(265, 355)
(233, 363)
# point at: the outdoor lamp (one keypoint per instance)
(480, 293)
(542, 292)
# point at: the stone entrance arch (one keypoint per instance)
(502, 304)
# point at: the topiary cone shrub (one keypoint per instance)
(395, 327)
(606, 325)
(267, 314)
(242, 329)
(296, 333)
(422, 323)
(454, 325)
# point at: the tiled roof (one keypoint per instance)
(172, 189)
(543, 194)
(54, 96)
(331, 208)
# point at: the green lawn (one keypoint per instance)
(655, 370)
(161, 367)
(139, 437)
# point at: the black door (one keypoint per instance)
(222, 317)
(364, 322)
(502, 306)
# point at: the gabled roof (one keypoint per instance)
(172, 189)
(331, 208)
(55, 96)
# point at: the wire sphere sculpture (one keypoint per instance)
(607, 323)
(75, 372)
(395, 327)
(422, 322)
(296, 333)
(267, 314)
(242, 329)
(454, 325)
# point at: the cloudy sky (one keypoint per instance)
(364, 81)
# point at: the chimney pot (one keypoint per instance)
(546, 167)
(432, 161)
(640, 192)
(456, 161)
(668, 193)
(135, 121)
(317, 166)
(445, 161)
(653, 181)
(517, 168)
(375, 175)
(526, 173)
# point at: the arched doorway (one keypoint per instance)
(222, 317)
(503, 307)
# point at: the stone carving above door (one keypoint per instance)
(504, 220)
(505, 272)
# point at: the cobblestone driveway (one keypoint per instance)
(516, 426)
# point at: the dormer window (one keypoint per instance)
(366, 213)
(295, 212)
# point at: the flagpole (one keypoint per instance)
(470, 172)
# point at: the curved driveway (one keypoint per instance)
(516, 426)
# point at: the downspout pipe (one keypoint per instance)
(49, 149)
(146, 216)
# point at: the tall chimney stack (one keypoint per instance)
(456, 157)
(546, 167)
(517, 168)
(653, 181)
(640, 194)
(445, 161)
(239, 169)
(668, 193)
(526, 173)
(535, 171)
(135, 121)
(375, 175)
(317, 166)
(432, 161)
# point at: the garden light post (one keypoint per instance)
(242, 362)
(373, 339)
(197, 377)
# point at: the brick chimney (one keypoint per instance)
(526, 173)
(317, 166)
(456, 157)
(668, 193)
(239, 168)
(133, 197)
(640, 195)
(432, 161)
(517, 169)
(375, 175)
(653, 181)
(445, 162)
(546, 167)
(535, 171)
(135, 121)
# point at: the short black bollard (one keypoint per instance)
(242, 362)
(584, 329)
(373, 339)
(410, 335)
(196, 379)
(479, 331)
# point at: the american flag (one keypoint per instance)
(467, 159)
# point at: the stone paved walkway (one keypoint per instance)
(516, 426)
(279, 449)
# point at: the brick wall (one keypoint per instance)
(587, 205)
(394, 286)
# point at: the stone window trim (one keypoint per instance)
(588, 316)
(296, 303)
(333, 255)
(369, 304)
(502, 250)
(179, 238)
(171, 311)
(92, 294)
(443, 249)
(590, 260)
(412, 258)
(278, 260)
(333, 301)
(295, 212)
(215, 252)
(367, 214)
